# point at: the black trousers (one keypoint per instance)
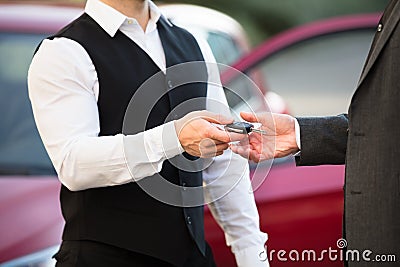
(95, 254)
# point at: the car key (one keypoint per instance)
(242, 128)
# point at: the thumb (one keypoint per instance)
(248, 116)
(216, 118)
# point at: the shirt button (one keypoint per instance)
(170, 85)
(380, 27)
(130, 21)
(189, 220)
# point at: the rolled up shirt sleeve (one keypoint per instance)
(62, 84)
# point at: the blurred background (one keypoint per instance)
(303, 57)
(263, 18)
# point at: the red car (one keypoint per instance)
(300, 208)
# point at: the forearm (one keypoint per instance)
(91, 162)
(323, 140)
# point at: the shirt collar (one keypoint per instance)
(111, 20)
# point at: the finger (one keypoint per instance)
(235, 137)
(222, 147)
(250, 117)
(193, 152)
(216, 118)
(218, 135)
(213, 148)
(208, 148)
(248, 152)
(242, 150)
(217, 142)
(234, 148)
(219, 153)
(242, 143)
(254, 156)
(258, 138)
(209, 153)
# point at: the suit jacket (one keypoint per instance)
(367, 140)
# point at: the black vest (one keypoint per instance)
(125, 216)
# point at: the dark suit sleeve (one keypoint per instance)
(323, 140)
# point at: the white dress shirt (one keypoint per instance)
(64, 89)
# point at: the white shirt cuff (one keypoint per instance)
(145, 152)
(297, 131)
(171, 144)
(256, 256)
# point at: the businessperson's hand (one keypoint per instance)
(279, 140)
(200, 138)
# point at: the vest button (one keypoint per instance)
(189, 220)
(170, 85)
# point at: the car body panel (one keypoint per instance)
(300, 209)
(36, 18)
(30, 215)
(304, 32)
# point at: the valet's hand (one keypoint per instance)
(200, 138)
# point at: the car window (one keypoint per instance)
(21, 150)
(224, 48)
(245, 93)
(319, 75)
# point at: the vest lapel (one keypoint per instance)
(169, 42)
(179, 76)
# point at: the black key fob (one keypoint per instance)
(239, 127)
